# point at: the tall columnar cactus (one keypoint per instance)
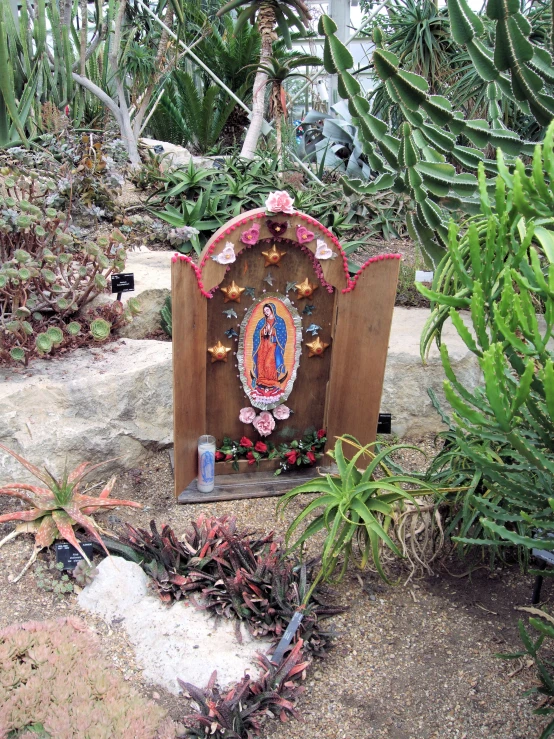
(501, 266)
(416, 161)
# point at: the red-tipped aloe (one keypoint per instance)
(57, 507)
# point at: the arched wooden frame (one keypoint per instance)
(360, 334)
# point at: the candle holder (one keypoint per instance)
(206, 463)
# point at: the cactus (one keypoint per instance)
(499, 267)
(100, 329)
(415, 161)
(167, 316)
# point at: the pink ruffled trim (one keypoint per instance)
(197, 272)
(352, 281)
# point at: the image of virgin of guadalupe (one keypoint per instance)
(268, 353)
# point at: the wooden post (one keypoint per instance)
(359, 351)
(189, 309)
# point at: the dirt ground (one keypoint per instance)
(414, 661)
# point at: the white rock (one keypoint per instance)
(177, 156)
(169, 642)
(114, 400)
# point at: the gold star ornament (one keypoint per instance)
(232, 293)
(219, 352)
(305, 289)
(316, 348)
(273, 256)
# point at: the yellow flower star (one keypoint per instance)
(273, 256)
(316, 347)
(232, 292)
(305, 289)
(219, 352)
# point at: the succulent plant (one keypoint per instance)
(241, 712)
(167, 316)
(100, 329)
(73, 328)
(49, 694)
(84, 573)
(44, 267)
(56, 508)
(239, 575)
(55, 335)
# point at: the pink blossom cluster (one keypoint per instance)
(264, 423)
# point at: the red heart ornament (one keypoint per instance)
(303, 235)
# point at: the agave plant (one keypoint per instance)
(57, 507)
(356, 505)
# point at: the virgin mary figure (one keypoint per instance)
(270, 340)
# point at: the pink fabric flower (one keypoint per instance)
(264, 423)
(279, 202)
(251, 235)
(247, 415)
(281, 412)
(227, 256)
(303, 235)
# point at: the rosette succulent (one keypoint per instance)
(56, 508)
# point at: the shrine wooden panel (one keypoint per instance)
(273, 341)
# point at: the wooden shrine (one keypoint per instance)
(272, 338)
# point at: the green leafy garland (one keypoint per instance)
(301, 452)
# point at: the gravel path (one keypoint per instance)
(411, 662)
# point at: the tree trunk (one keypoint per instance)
(160, 67)
(266, 24)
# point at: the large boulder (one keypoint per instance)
(94, 404)
(115, 400)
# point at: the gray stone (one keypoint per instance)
(152, 272)
(178, 642)
(407, 378)
(149, 318)
(114, 400)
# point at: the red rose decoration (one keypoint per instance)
(320, 434)
(311, 457)
(250, 457)
(259, 446)
(245, 442)
(291, 457)
(219, 456)
(228, 457)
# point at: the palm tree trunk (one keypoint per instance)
(266, 24)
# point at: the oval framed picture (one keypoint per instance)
(269, 349)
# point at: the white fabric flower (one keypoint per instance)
(323, 251)
(227, 256)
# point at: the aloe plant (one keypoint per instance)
(57, 507)
(355, 505)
